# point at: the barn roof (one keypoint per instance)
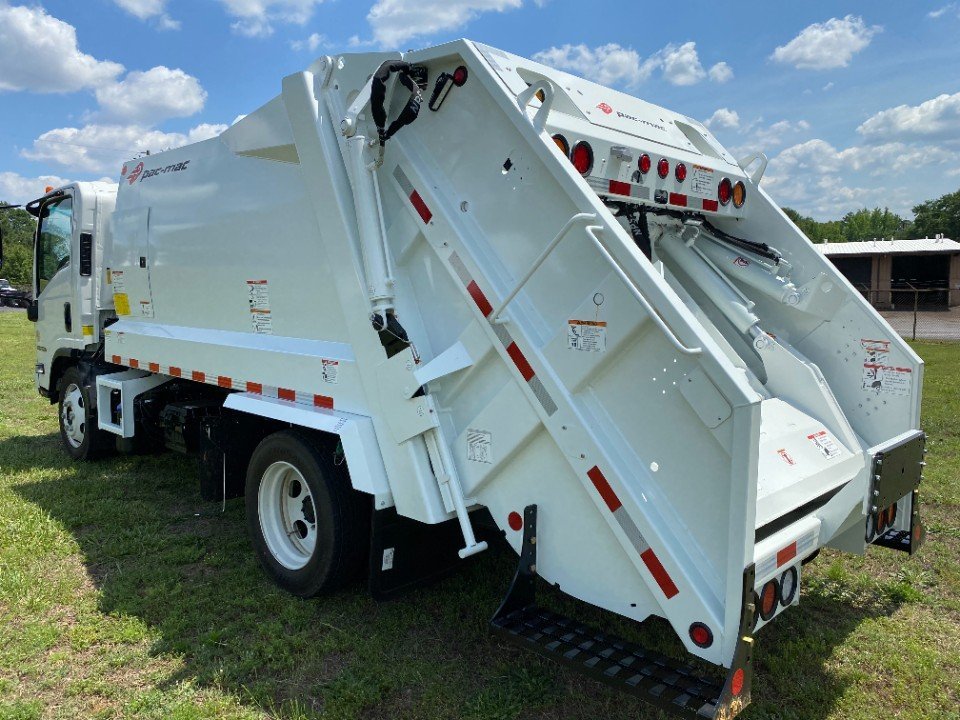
(890, 247)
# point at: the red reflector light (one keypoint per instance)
(724, 191)
(701, 635)
(769, 597)
(680, 172)
(582, 157)
(663, 167)
(460, 76)
(736, 682)
(515, 521)
(644, 164)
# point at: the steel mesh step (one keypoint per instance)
(652, 676)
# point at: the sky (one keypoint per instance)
(856, 104)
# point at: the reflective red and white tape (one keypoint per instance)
(633, 533)
(800, 547)
(228, 383)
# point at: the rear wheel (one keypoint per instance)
(308, 526)
(79, 433)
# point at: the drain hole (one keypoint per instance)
(300, 527)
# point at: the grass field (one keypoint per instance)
(122, 595)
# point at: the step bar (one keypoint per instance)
(656, 679)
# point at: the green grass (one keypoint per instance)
(122, 595)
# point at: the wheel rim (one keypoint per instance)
(73, 416)
(288, 518)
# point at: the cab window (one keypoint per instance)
(53, 240)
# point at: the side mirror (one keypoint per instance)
(33, 311)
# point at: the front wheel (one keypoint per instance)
(308, 526)
(79, 433)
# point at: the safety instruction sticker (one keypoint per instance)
(587, 335)
(331, 370)
(701, 181)
(259, 299)
(786, 457)
(880, 375)
(825, 444)
(121, 302)
(146, 308)
(479, 446)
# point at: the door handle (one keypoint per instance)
(67, 317)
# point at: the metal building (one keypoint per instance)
(901, 274)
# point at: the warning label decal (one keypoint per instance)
(259, 301)
(786, 457)
(879, 374)
(825, 444)
(701, 181)
(587, 335)
(331, 369)
(479, 446)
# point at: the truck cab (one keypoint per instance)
(68, 277)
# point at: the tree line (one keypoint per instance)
(931, 218)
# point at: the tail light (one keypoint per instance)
(663, 167)
(680, 172)
(769, 597)
(644, 164)
(460, 76)
(582, 157)
(701, 635)
(724, 191)
(788, 586)
(562, 143)
(739, 194)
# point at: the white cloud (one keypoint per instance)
(149, 10)
(617, 65)
(724, 119)
(940, 12)
(39, 53)
(608, 64)
(17, 189)
(311, 43)
(256, 18)
(104, 148)
(828, 87)
(938, 117)
(826, 45)
(721, 73)
(152, 96)
(681, 65)
(396, 21)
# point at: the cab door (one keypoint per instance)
(58, 317)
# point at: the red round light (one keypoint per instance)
(701, 635)
(680, 172)
(460, 76)
(769, 597)
(724, 191)
(582, 157)
(736, 682)
(663, 167)
(515, 521)
(644, 164)
(891, 515)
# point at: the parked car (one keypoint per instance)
(11, 296)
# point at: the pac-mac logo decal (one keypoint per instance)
(741, 262)
(123, 171)
(132, 178)
(606, 108)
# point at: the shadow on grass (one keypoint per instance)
(158, 553)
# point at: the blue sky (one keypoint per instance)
(856, 104)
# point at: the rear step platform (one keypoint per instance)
(669, 684)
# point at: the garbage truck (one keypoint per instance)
(421, 302)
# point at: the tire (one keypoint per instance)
(290, 481)
(81, 438)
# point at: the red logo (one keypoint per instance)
(135, 174)
(123, 172)
(741, 262)
(606, 108)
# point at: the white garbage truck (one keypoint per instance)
(420, 302)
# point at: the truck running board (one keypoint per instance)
(669, 684)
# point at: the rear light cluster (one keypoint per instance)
(581, 155)
(776, 593)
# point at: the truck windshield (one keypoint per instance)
(53, 240)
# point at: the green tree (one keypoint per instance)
(18, 227)
(940, 216)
